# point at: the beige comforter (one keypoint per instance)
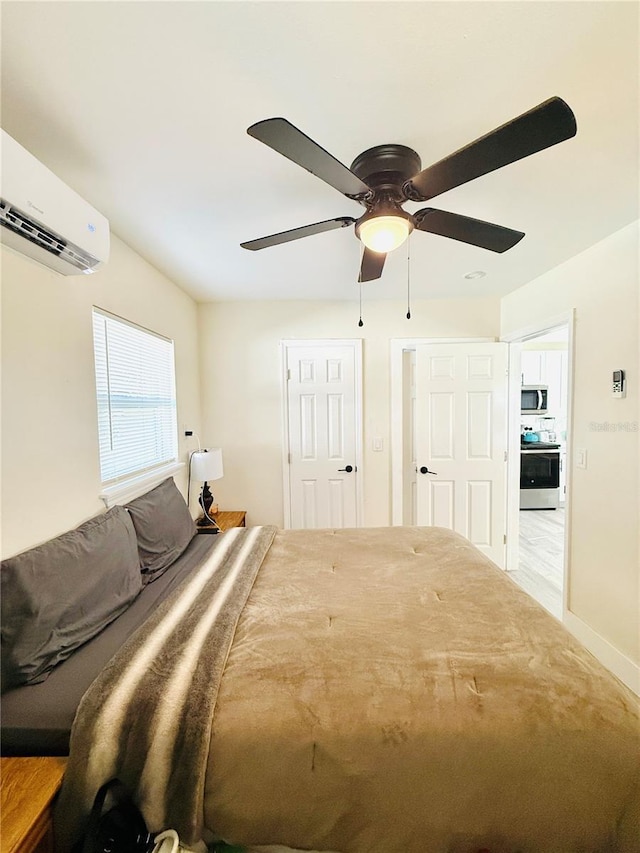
(391, 691)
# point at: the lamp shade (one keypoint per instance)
(207, 464)
(384, 233)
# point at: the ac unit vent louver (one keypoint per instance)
(44, 219)
(16, 221)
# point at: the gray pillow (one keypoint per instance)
(164, 528)
(59, 595)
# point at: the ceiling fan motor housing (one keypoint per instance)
(386, 168)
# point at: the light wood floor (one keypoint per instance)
(540, 571)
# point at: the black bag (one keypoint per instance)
(120, 829)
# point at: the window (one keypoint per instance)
(135, 385)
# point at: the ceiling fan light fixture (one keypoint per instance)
(384, 233)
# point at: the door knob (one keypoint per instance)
(425, 470)
(348, 469)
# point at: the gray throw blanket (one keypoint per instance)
(147, 717)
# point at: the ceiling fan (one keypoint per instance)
(383, 178)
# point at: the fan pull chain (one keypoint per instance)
(408, 279)
(360, 323)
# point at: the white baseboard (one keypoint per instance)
(615, 661)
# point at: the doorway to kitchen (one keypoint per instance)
(538, 506)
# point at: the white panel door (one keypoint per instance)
(322, 400)
(409, 465)
(461, 441)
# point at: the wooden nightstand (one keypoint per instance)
(28, 787)
(226, 520)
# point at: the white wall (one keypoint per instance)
(602, 284)
(241, 385)
(50, 466)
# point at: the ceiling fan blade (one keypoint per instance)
(283, 137)
(371, 265)
(297, 233)
(467, 230)
(543, 126)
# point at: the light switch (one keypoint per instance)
(377, 444)
(581, 457)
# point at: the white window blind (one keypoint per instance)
(135, 386)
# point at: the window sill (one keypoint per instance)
(132, 488)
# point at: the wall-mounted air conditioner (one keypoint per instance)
(46, 220)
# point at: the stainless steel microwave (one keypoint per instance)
(534, 399)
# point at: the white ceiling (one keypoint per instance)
(142, 107)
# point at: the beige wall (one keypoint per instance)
(50, 474)
(50, 467)
(602, 285)
(241, 388)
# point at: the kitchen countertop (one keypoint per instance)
(538, 445)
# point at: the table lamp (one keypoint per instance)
(206, 465)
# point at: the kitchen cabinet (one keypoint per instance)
(533, 367)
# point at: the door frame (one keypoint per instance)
(356, 345)
(398, 346)
(515, 340)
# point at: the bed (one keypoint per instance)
(37, 718)
(357, 691)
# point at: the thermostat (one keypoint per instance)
(619, 385)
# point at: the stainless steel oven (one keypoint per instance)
(539, 478)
